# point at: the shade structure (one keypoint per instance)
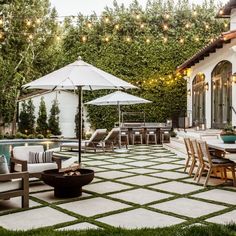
(118, 98)
(81, 76)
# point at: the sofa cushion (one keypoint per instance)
(38, 167)
(22, 152)
(10, 185)
(40, 157)
(3, 165)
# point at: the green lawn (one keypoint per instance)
(211, 230)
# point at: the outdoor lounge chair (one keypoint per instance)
(20, 161)
(94, 143)
(15, 185)
(112, 139)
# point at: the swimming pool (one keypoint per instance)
(7, 145)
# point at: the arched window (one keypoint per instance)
(221, 95)
(198, 99)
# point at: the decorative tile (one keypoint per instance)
(141, 180)
(112, 174)
(105, 187)
(140, 218)
(170, 175)
(140, 196)
(226, 218)
(79, 226)
(166, 167)
(177, 187)
(218, 195)
(93, 206)
(35, 218)
(188, 207)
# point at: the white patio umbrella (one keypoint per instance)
(118, 98)
(81, 76)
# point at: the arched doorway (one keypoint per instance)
(221, 95)
(198, 96)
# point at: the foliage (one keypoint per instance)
(42, 126)
(208, 230)
(228, 130)
(26, 118)
(40, 136)
(53, 121)
(23, 59)
(151, 66)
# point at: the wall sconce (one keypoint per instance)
(189, 92)
(206, 86)
(234, 78)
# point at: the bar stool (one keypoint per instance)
(124, 136)
(137, 133)
(151, 136)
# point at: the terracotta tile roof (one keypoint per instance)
(224, 38)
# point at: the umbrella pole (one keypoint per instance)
(79, 88)
(119, 125)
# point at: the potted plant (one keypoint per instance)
(228, 134)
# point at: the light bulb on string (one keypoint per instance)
(38, 21)
(106, 39)
(84, 39)
(148, 40)
(226, 25)
(221, 12)
(106, 19)
(181, 40)
(128, 39)
(165, 27)
(28, 23)
(117, 26)
(207, 26)
(167, 16)
(195, 13)
(196, 39)
(30, 37)
(142, 26)
(58, 38)
(165, 39)
(138, 16)
(89, 25)
(187, 25)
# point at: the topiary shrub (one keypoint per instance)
(31, 136)
(40, 136)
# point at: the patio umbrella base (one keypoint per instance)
(121, 150)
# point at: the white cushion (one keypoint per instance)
(22, 153)
(38, 167)
(10, 185)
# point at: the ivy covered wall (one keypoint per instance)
(144, 47)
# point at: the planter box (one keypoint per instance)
(228, 138)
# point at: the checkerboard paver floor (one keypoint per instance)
(143, 188)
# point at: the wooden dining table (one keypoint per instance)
(223, 149)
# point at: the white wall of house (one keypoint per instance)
(68, 103)
(206, 66)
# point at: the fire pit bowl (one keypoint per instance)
(67, 186)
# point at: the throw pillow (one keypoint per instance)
(3, 165)
(40, 157)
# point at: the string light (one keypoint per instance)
(148, 40)
(128, 39)
(195, 13)
(84, 39)
(28, 23)
(117, 26)
(89, 25)
(226, 25)
(197, 39)
(30, 37)
(181, 41)
(167, 16)
(207, 26)
(221, 12)
(138, 17)
(106, 19)
(165, 39)
(58, 38)
(165, 27)
(38, 21)
(187, 25)
(142, 26)
(107, 39)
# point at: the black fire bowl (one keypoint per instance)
(67, 186)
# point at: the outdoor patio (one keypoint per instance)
(144, 188)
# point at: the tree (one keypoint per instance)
(28, 49)
(23, 119)
(42, 126)
(31, 117)
(53, 121)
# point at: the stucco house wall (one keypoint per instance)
(68, 103)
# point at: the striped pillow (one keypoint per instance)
(40, 157)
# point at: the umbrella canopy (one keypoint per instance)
(116, 98)
(81, 76)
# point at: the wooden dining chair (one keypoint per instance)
(210, 163)
(190, 162)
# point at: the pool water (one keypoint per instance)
(5, 148)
